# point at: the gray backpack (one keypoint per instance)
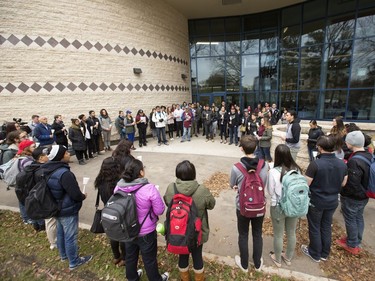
(120, 218)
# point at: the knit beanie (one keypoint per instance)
(355, 138)
(57, 152)
(23, 144)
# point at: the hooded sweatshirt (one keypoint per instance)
(148, 199)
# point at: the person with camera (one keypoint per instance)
(160, 118)
(60, 131)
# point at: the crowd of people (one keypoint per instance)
(334, 173)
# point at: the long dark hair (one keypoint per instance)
(122, 153)
(109, 175)
(132, 170)
(284, 159)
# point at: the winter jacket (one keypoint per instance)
(105, 123)
(223, 118)
(63, 186)
(129, 128)
(314, 134)
(119, 124)
(60, 134)
(236, 176)
(141, 125)
(293, 133)
(358, 177)
(77, 138)
(160, 119)
(202, 197)
(187, 119)
(207, 117)
(233, 120)
(147, 198)
(265, 140)
(43, 134)
(8, 152)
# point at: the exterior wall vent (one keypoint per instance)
(231, 2)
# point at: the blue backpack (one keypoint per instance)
(295, 200)
(370, 192)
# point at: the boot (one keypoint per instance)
(199, 274)
(81, 162)
(184, 274)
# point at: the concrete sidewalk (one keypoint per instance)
(208, 158)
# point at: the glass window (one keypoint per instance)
(361, 105)
(307, 102)
(193, 53)
(250, 72)
(268, 72)
(289, 69)
(312, 33)
(311, 60)
(233, 25)
(217, 26)
(340, 28)
(249, 99)
(250, 44)
(337, 64)
(191, 28)
(334, 104)
(211, 74)
(202, 28)
(233, 98)
(340, 6)
(233, 44)
(252, 23)
(290, 37)
(363, 68)
(365, 3)
(233, 73)
(217, 45)
(270, 20)
(365, 25)
(313, 10)
(268, 42)
(291, 16)
(288, 100)
(202, 47)
(193, 72)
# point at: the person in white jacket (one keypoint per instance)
(177, 113)
(160, 119)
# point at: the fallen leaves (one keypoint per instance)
(217, 183)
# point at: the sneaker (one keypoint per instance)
(159, 144)
(259, 269)
(212, 140)
(171, 138)
(305, 250)
(237, 260)
(206, 140)
(53, 246)
(353, 251)
(165, 276)
(166, 143)
(140, 273)
(81, 261)
(285, 259)
(273, 258)
(323, 259)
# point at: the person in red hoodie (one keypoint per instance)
(187, 118)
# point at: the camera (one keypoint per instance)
(161, 120)
(19, 121)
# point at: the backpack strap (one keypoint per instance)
(368, 162)
(245, 172)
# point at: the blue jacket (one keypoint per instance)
(63, 186)
(43, 134)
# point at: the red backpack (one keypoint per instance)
(183, 227)
(252, 198)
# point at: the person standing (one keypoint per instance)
(275, 114)
(265, 139)
(141, 120)
(353, 194)
(293, 133)
(32, 125)
(77, 137)
(249, 162)
(283, 163)
(177, 113)
(160, 118)
(60, 131)
(223, 122)
(65, 189)
(233, 122)
(43, 132)
(325, 176)
(96, 132)
(207, 122)
(87, 130)
(106, 125)
(314, 133)
(187, 118)
(119, 124)
(129, 123)
(149, 207)
(187, 184)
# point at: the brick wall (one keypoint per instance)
(69, 57)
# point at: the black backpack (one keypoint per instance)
(25, 181)
(120, 217)
(40, 203)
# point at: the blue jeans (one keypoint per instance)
(265, 153)
(131, 137)
(67, 238)
(320, 231)
(310, 150)
(352, 211)
(147, 245)
(186, 133)
(24, 216)
(233, 133)
(243, 238)
(161, 135)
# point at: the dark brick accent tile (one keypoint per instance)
(2, 40)
(14, 40)
(65, 43)
(82, 86)
(137, 87)
(126, 50)
(40, 41)
(148, 53)
(1, 88)
(174, 59)
(36, 87)
(141, 52)
(157, 87)
(168, 88)
(88, 45)
(162, 87)
(155, 55)
(130, 87)
(108, 47)
(27, 40)
(93, 86)
(170, 58)
(117, 48)
(121, 87)
(60, 86)
(53, 42)
(103, 86)
(160, 56)
(71, 86)
(172, 88)
(151, 87)
(98, 46)
(77, 44)
(23, 87)
(144, 87)
(165, 57)
(48, 87)
(134, 51)
(113, 87)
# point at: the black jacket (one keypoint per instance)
(63, 186)
(358, 177)
(314, 134)
(296, 132)
(60, 134)
(77, 138)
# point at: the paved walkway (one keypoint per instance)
(208, 158)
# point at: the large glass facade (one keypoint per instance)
(317, 58)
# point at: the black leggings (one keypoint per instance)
(196, 254)
(116, 246)
(170, 130)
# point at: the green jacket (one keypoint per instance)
(265, 140)
(202, 197)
